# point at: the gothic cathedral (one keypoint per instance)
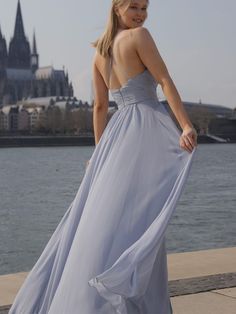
(20, 74)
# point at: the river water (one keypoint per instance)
(37, 186)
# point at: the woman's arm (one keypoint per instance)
(101, 102)
(151, 58)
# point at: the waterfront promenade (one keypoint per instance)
(200, 282)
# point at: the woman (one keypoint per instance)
(108, 253)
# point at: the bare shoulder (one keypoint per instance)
(123, 35)
(148, 53)
(142, 39)
(141, 33)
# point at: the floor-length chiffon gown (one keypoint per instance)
(107, 254)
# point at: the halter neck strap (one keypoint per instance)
(110, 69)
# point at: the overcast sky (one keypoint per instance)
(195, 38)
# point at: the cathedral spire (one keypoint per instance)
(34, 51)
(34, 55)
(3, 51)
(1, 36)
(19, 26)
(19, 47)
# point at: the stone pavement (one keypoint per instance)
(203, 282)
(221, 301)
(200, 282)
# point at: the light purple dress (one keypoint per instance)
(108, 254)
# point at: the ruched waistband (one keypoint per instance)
(123, 100)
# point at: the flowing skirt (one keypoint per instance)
(107, 254)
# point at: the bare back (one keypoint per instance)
(125, 61)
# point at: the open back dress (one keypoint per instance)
(108, 254)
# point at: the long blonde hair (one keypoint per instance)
(104, 43)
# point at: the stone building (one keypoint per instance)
(20, 74)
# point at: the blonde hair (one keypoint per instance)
(104, 43)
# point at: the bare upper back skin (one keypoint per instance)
(126, 62)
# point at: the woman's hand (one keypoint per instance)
(188, 139)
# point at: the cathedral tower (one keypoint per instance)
(34, 56)
(3, 52)
(3, 65)
(19, 48)
(20, 74)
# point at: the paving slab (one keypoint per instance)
(9, 285)
(230, 292)
(201, 263)
(205, 303)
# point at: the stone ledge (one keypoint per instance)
(201, 284)
(4, 309)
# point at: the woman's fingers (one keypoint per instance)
(194, 139)
(188, 140)
(185, 145)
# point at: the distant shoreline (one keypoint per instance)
(59, 140)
